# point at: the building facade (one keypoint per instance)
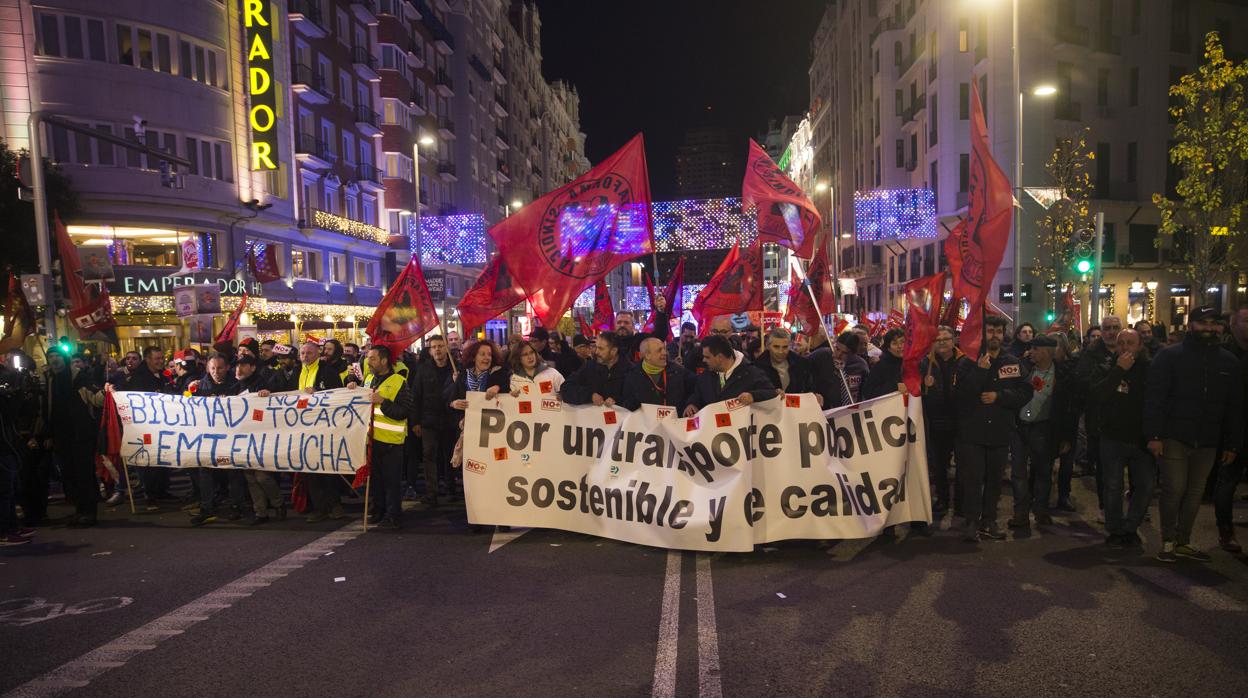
(890, 84)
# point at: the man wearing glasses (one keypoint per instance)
(940, 412)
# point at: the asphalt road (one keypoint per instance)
(147, 605)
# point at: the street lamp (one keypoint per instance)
(423, 140)
(1044, 91)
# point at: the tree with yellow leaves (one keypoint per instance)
(1206, 222)
(1067, 167)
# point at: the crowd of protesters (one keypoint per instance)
(1142, 412)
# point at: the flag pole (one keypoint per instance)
(125, 467)
(796, 264)
(368, 485)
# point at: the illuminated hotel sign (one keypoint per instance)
(261, 88)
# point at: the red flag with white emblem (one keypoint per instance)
(786, 216)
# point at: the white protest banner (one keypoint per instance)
(321, 433)
(728, 478)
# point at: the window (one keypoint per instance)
(331, 198)
(399, 166)
(337, 268)
(365, 273)
(901, 153)
(898, 103)
(164, 54)
(964, 172)
(1102, 170)
(964, 26)
(1102, 87)
(349, 204)
(95, 40)
(934, 183)
(125, 45)
(201, 64)
(1142, 242)
(1180, 30)
(1135, 16)
(369, 210)
(344, 87)
(964, 101)
(1133, 87)
(144, 43)
(347, 146)
(104, 151)
(1132, 160)
(392, 113)
(192, 153)
(932, 111)
(305, 264)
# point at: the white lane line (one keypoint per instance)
(669, 630)
(80, 672)
(708, 640)
(502, 537)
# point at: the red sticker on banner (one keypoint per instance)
(257, 415)
(723, 419)
(302, 403)
(792, 400)
(692, 424)
(500, 453)
(547, 387)
(608, 417)
(147, 439)
(526, 407)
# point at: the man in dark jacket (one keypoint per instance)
(630, 339)
(1120, 393)
(657, 381)
(73, 425)
(885, 375)
(990, 391)
(1230, 474)
(601, 381)
(728, 376)
(849, 356)
(217, 382)
(431, 419)
(1093, 362)
(1192, 408)
(785, 368)
(940, 412)
(1043, 424)
(149, 377)
(830, 381)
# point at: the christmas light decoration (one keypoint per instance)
(701, 224)
(894, 214)
(350, 228)
(452, 239)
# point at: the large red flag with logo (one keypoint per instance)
(810, 297)
(91, 311)
(736, 287)
(405, 314)
(786, 216)
(492, 294)
(604, 312)
(923, 299)
(673, 296)
(230, 330)
(567, 240)
(977, 244)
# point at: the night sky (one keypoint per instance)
(662, 67)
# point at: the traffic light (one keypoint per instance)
(65, 346)
(1050, 316)
(1084, 239)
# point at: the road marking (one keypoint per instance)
(669, 630)
(502, 537)
(79, 672)
(708, 640)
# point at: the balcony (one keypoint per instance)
(446, 209)
(308, 86)
(365, 64)
(504, 172)
(329, 222)
(365, 10)
(415, 54)
(312, 153)
(911, 113)
(1069, 34)
(500, 104)
(912, 163)
(500, 139)
(887, 24)
(1067, 111)
(497, 66)
(537, 170)
(416, 101)
(442, 81)
(305, 18)
(367, 175)
(424, 198)
(908, 62)
(446, 170)
(446, 127)
(1107, 43)
(476, 64)
(443, 40)
(366, 121)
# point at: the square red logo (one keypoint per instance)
(692, 423)
(547, 387)
(608, 417)
(792, 400)
(723, 419)
(257, 415)
(500, 453)
(302, 403)
(526, 407)
(147, 439)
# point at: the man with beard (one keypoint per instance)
(630, 339)
(1193, 406)
(217, 382)
(989, 393)
(432, 425)
(600, 381)
(1093, 364)
(1121, 395)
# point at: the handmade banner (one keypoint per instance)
(321, 433)
(726, 479)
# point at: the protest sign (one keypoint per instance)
(321, 433)
(726, 479)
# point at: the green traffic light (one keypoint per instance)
(1083, 266)
(1050, 317)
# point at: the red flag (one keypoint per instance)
(839, 325)
(406, 313)
(649, 326)
(90, 311)
(71, 266)
(1066, 314)
(923, 299)
(813, 294)
(262, 261)
(797, 290)
(895, 320)
(230, 330)
(19, 320)
(673, 295)
(786, 215)
(977, 244)
(492, 294)
(736, 287)
(570, 238)
(362, 475)
(604, 312)
(586, 330)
